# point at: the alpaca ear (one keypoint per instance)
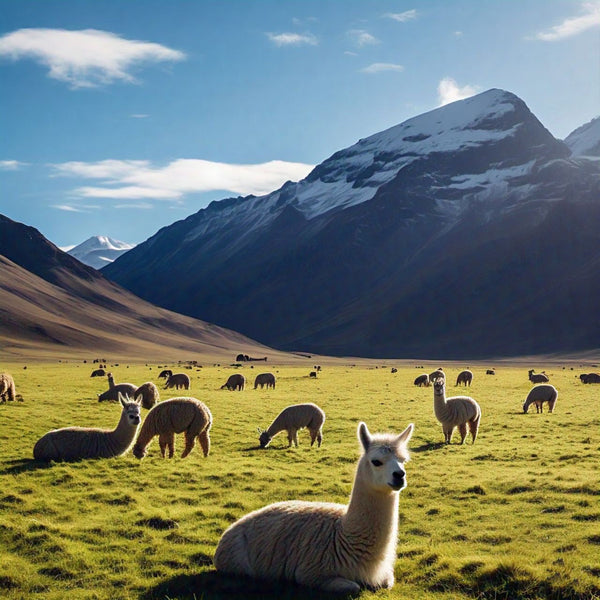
(364, 436)
(405, 435)
(138, 399)
(121, 400)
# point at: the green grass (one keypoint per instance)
(515, 516)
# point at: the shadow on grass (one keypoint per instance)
(428, 446)
(24, 465)
(211, 585)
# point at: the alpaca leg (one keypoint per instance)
(339, 585)
(463, 432)
(171, 444)
(290, 434)
(204, 442)
(163, 441)
(319, 438)
(296, 438)
(190, 442)
(448, 431)
(474, 427)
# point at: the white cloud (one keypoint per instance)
(85, 58)
(292, 39)
(11, 165)
(402, 17)
(382, 67)
(361, 38)
(574, 25)
(67, 208)
(139, 116)
(136, 180)
(450, 91)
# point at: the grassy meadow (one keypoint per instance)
(514, 516)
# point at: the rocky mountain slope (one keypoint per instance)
(465, 232)
(53, 305)
(99, 251)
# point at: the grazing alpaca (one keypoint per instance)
(149, 394)
(263, 379)
(98, 373)
(235, 382)
(540, 394)
(112, 394)
(590, 378)
(337, 548)
(437, 374)
(422, 380)
(166, 374)
(177, 415)
(7, 388)
(75, 443)
(178, 380)
(292, 419)
(538, 377)
(458, 411)
(465, 377)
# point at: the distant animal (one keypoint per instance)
(465, 377)
(7, 388)
(336, 548)
(246, 358)
(540, 394)
(112, 394)
(178, 380)
(490, 372)
(394, 370)
(235, 382)
(292, 419)
(75, 443)
(459, 411)
(263, 379)
(538, 377)
(98, 373)
(149, 395)
(437, 374)
(312, 374)
(422, 380)
(177, 415)
(166, 373)
(590, 378)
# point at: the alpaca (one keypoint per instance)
(540, 394)
(178, 380)
(166, 374)
(177, 415)
(263, 379)
(437, 374)
(292, 419)
(235, 382)
(465, 377)
(7, 388)
(538, 377)
(490, 372)
(75, 443)
(457, 411)
(337, 548)
(422, 380)
(590, 378)
(149, 394)
(98, 373)
(113, 391)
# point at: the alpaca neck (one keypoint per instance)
(439, 404)
(371, 519)
(122, 436)
(111, 383)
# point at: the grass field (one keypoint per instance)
(514, 516)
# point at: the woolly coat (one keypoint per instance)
(235, 382)
(292, 419)
(7, 387)
(465, 377)
(178, 380)
(540, 394)
(263, 379)
(149, 393)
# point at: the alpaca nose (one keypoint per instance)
(398, 479)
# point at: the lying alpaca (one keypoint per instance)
(75, 443)
(452, 412)
(335, 547)
(177, 415)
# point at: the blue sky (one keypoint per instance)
(120, 117)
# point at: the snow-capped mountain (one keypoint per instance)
(465, 231)
(585, 140)
(99, 251)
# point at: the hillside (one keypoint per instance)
(468, 231)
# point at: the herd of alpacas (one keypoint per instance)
(277, 542)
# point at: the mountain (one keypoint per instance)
(465, 232)
(51, 304)
(99, 250)
(585, 140)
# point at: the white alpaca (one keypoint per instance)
(458, 411)
(335, 547)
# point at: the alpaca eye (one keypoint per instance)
(376, 463)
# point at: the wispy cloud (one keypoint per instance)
(11, 165)
(293, 39)
(69, 208)
(361, 38)
(86, 58)
(137, 180)
(139, 116)
(382, 67)
(450, 91)
(402, 17)
(573, 25)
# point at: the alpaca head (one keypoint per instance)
(131, 409)
(264, 439)
(439, 385)
(382, 464)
